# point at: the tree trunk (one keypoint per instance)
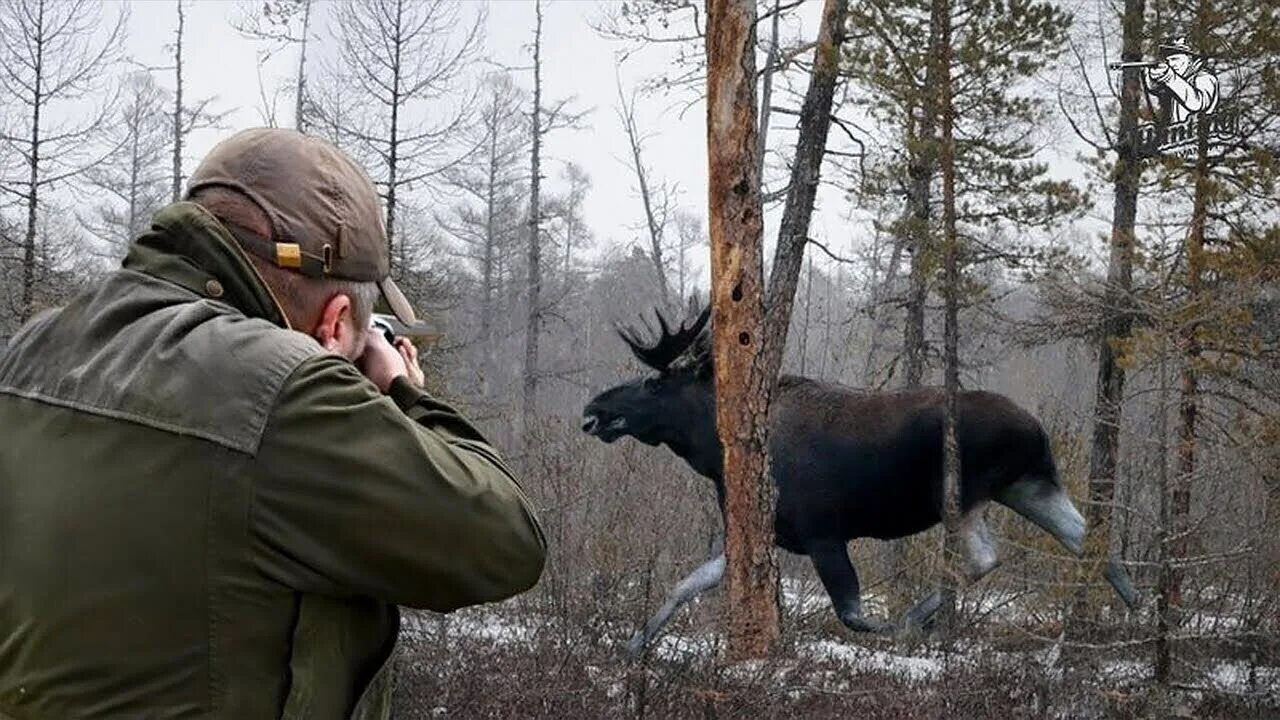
(178, 130)
(1189, 396)
(766, 88)
(920, 171)
(952, 571)
(300, 100)
(642, 180)
(533, 326)
(793, 233)
(922, 150)
(489, 257)
(743, 387)
(1109, 388)
(393, 135)
(27, 308)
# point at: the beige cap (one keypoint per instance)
(325, 216)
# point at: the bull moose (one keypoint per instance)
(847, 464)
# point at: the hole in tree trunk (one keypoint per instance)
(737, 292)
(744, 338)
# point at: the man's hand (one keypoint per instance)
(382, 363)
(1160, 74)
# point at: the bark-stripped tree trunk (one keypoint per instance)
(743, 388)
(179, 133)
(951, 574)
(1109, 388)
(534, 325)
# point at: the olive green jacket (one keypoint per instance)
(204, 514)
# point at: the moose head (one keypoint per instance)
(668, 405)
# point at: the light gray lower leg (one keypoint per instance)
(705, 577)
(979, 548)
(1120, 581)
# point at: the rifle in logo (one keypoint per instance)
(1187, 91)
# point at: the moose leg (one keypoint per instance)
(980, 558)
(979, 550)
(1046, 504)
(703, 578)
(831, 561)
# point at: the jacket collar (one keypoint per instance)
(189, 247)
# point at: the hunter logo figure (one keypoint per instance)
(1182, 82)
(1186, 90)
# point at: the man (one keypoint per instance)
(1181, 81)
(216, 485)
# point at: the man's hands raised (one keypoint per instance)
(382, 362)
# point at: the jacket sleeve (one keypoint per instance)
(395, 497)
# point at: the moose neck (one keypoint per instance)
(693, 434)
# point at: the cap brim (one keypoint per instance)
(398, 303)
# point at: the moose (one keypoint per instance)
(847, 464)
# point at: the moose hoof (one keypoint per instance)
(922, 615)
(862, 623)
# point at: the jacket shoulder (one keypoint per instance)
(140, 350)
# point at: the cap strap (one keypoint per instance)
(290, 256)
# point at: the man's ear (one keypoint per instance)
(336, 328)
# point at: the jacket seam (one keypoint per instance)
(170, 428)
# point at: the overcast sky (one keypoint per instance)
(577, 62)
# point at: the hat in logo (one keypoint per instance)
(1177, 46)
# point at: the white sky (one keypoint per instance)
(577, 62)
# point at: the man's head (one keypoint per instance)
(309, 219)
(1178, 55)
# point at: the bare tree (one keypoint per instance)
(398, 58)
(689, 236)
(533, 328)
(543, 120)
(54, 56)
(132, 182)
(485, 220)
(281, 24)
(806, 170)
(658, 200)
(185, 118)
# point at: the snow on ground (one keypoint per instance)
(855, 657)
(1233, 677)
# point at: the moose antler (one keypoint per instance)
(669, 345)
